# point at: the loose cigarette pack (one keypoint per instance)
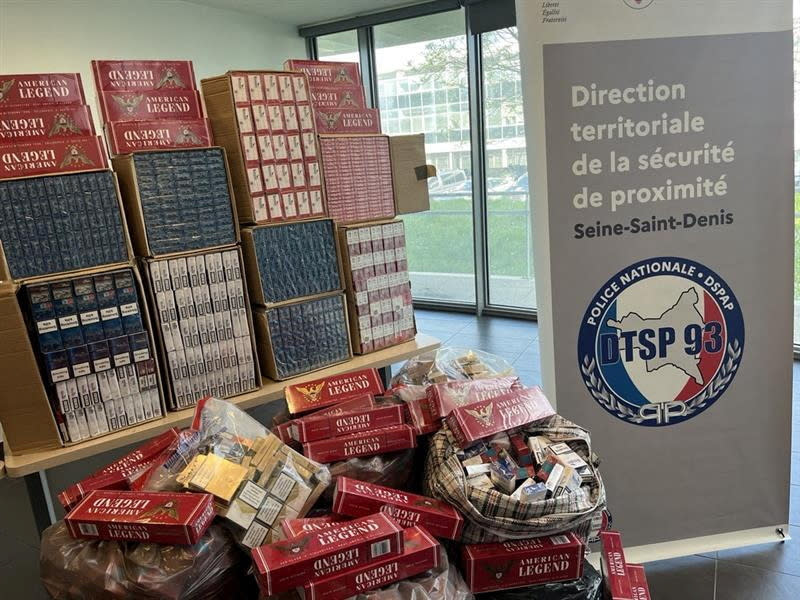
(161, 517)
(35, 123)
(292, 563)
(358, 498)
(485, 418)
(144, 75)
(22, 158)
(521, 563)
(40, 89)
(321, 427)
(319, 393)
(421, 552)
(369, 443)
(295, 527)
(641, 591)
(616, 578)
(569, 458)
(125, 137)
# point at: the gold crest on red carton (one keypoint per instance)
(473, 422)
(522, 563)
(320, 393)
(420, 553)
(358, 498)
(366, 443)
(294, 562)
(112, 75)
(325, 72)
(173, 104)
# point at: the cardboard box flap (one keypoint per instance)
(410, 172)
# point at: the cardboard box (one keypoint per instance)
(292, 563)
(161, 517)
(486, 418)
(63, 155)
(152, 105)
(641, 591)
(125, 137)
(40, 89)
(315, 428)
(379, 441)
(143, 75)
(522, 563)
(294, 527)
(616, 580)
(330, 391)
(421, 553)
(173, 206)
(410, 173)
(358, 498)
(38, 123)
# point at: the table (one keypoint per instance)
(33, 466)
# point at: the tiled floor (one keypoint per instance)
(769, 572)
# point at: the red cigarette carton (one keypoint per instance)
(143, 75)
(46, 122)
(70, 497)
(40, 88)
(421, 553)
(358, 498)
(170, 104)
(332, 97)
(521, 563)
(368, 443)
(295, 527)
(292, 563)
(351, 120)
(148, 451)
(125, 137)
(641, 591)
(313, 395)
(364, 402)
(321, 427)
(444, 397)
(161, 517)
(615, 571)
(478, 420)
(324, 72)
(51, 156)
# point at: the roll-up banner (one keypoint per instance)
(660, 135)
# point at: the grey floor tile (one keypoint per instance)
(507, 328)
(507, 348)
(740, 582)
(21, 529)
(686, 578)
(783, 557)
(794, 505)
(529, 358)
(439, 329)
(21, 578)
(795, 468)
(529, 376)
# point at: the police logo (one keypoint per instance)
(661, 341)
(638, 4)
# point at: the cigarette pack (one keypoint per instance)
(569, 458)
(294, 562)
(391, 439)
(315, 428)
(125, 137)
(485, 418)
(143, 75)
(161, 517)
(357, 499)
(321, 72)
(150, 105)
(145, 453)
(522, 563)
(295, 527)
(320, 393)
(36, 123)
(444, 397)
(22, 158)
(39, 89)
(352, 120)
(421, 552)
(538, 445)
(641, 591)
(616, 579)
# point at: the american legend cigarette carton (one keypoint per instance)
(21, 159)
(295, 527)
(616, 579)
(321, 427)
(150, 105)
(320, 393)
(125, 137)
(40, 88)
(144, 75)
(368, 443)
(641, 591)
(35, 123)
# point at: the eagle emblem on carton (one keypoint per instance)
(5, 86)
(330, 119)
(75, 156)
(63, 123)
(347, 99)
(312, 391)
(186, 136)
(165, 509)
(342, 75)
(170, 78)
(498, 571)
(129, 104)
(483, 415)
(292, 547)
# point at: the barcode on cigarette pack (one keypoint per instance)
(380, 548)
(88, 529)
(559, 540)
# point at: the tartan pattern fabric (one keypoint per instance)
(491, 516)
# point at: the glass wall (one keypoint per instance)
(422, 88)
(508, 202)
(797, 172)
(342, 46)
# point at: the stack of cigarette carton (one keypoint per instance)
(46, 127)
(265, 122)
(337, 96)
(621, 579)
(150, 105)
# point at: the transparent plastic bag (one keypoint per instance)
(390, 470)
(444, 583)
(73, 569)
(451, 364)
(587, 587)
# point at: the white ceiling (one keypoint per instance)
(307, 12)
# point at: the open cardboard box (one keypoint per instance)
(410, 173)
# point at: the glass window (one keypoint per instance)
(431, 54)
(510, 259)
(796, 172)
(342, 46)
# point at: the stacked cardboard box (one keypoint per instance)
(265, 122)
(337, 96)
(46, 127)
(150, 105)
